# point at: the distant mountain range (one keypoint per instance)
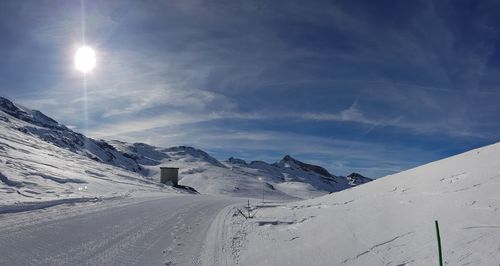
(38, 138)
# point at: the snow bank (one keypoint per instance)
(389, 221)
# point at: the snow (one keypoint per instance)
(142, 231)
(107, 206)
(33, 170)
(389, 221)
(235, 177)
(42, 160)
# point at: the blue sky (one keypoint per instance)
(369, 86)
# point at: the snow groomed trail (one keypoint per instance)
(165, 231)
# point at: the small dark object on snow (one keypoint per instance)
(187, 188)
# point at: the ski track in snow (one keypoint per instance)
(163, 231)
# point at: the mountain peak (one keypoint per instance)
(194, 152)
(34, 117)
(7, 105)
(357, 179)
(356, 175)
(290, 162)
(236, 161)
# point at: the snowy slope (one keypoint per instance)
(294, 177)
(389, 221)
(47, 129)
(286, 179)
(34, 169)
(198, 170)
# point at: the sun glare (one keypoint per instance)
(85, 59)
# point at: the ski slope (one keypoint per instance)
(389, 221)
(161, 231)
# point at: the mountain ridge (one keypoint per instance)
(288, 177)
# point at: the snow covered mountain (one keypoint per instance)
(47, 129)
(389, 221)
(296, 178)
(288, 178)
(355, 179)
(41, 160)
(40, 137)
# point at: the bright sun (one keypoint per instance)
(85, 59)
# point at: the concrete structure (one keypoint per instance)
(169, 174)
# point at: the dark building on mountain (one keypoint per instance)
(169, 174)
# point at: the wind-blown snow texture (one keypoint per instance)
(389, 221)
(41, 160)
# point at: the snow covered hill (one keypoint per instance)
(37, 164)
(389, 221)
(47, 129)
(288, 178)
(38, 155)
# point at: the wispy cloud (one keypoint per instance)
(351, 114)
(171, 70)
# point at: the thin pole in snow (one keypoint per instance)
(439, 244)
(262, 192)
(263, 185)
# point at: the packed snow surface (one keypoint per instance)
(157, 231)
(389, 221)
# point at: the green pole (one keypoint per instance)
(439, 244)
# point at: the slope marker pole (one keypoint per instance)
(439, 244)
